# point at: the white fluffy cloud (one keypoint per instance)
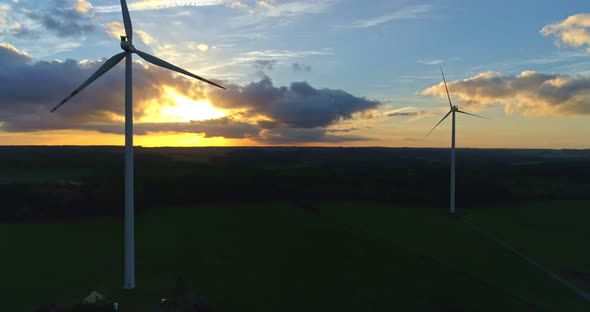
(573, 31)
(82, 6)
(530, 93)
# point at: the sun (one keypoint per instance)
(186, 110)
(182, 109)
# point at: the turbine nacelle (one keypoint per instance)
(455, 108)
(126, 45)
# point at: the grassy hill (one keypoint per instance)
(279, 257)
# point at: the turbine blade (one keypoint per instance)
(466, 113)
(445, 81)
(159, 62)
(110, 63)
(447, 115)
(127, 21)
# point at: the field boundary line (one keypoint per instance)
(584, 295)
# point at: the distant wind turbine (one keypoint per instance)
(453, 109)
(129, 49)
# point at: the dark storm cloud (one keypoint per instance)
(65, 18)
(297, 106)
(297, 67)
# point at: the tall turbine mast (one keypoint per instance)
(129, 49)
(453, 109)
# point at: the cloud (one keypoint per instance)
(28, 90)
(250, 58)
(406, 13)
(266, 5)
(221, 127)
(116, 29)
(65, 18)
(530, 93)
(572, 31)
(157, 5)
(11, 23)
(18, 30)
(295, 8)
(285, 54)
(430, 61)
(297, 67)
(295, 135)
(278, 55)
(4, 13)
(241, 6)
(232, 129)
(405, 114)
(197, 46)
(412, 113)
(259, 111)
(264, 15)
(342, 130)
(238, 5)
(11, 56)
(298, 106)
(264, 64)
(82, 6)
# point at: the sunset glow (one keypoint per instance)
(179, 108)
(321, 72)
(187, 110)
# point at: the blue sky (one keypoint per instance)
(376, 51)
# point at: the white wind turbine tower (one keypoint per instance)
(453, 109)
(129, 49)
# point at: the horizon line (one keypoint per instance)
(304, 146)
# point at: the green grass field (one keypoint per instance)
(457, 245)
(276, 257)
(554, 233)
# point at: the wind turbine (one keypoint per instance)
(453, 109)
(128, 50)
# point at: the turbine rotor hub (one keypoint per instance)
(126, 45)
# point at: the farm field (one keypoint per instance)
(280, 256)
